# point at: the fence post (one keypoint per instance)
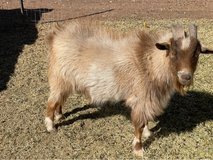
(22, 6)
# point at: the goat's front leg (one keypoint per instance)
(139, 125)
(137, 142)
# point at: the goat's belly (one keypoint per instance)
(102, 95)
(100, 86)
(102, 90)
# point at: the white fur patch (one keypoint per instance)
(146, 132)
(101, 83)
(165, 37)
(49, 124)
(184, 70)
(185, 43)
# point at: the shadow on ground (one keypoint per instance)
(182, 114)
(16, 30)
(106, 110)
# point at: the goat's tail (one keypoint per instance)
(54, 31)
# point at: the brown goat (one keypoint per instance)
(144, 69)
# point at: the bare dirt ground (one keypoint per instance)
(183, 132)
(117, 9)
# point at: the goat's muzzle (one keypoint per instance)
(184, 77)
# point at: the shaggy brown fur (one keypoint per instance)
(144, 69)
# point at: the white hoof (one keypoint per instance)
(49, 124)
(139, 152)
(146, 132)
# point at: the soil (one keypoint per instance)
(116, 9)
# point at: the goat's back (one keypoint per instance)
(93, 59)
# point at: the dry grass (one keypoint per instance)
(183, 132)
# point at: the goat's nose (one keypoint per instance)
(186, 77)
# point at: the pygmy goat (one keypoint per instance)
(143, 69)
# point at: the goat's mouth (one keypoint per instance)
(184, 82)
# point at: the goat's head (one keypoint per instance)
(183, 50)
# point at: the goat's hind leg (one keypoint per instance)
(58, 113)
(54, 110)
(50, 113)
(56, 99)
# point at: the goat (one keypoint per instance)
(143, 69)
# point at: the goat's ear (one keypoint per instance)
(206, 51)
(162, 46)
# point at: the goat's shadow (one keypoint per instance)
(16, 30)
(106, 110)
(183, 114)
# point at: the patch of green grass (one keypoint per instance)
(183, 132)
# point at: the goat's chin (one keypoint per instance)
(181, 86)
(185, 83)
